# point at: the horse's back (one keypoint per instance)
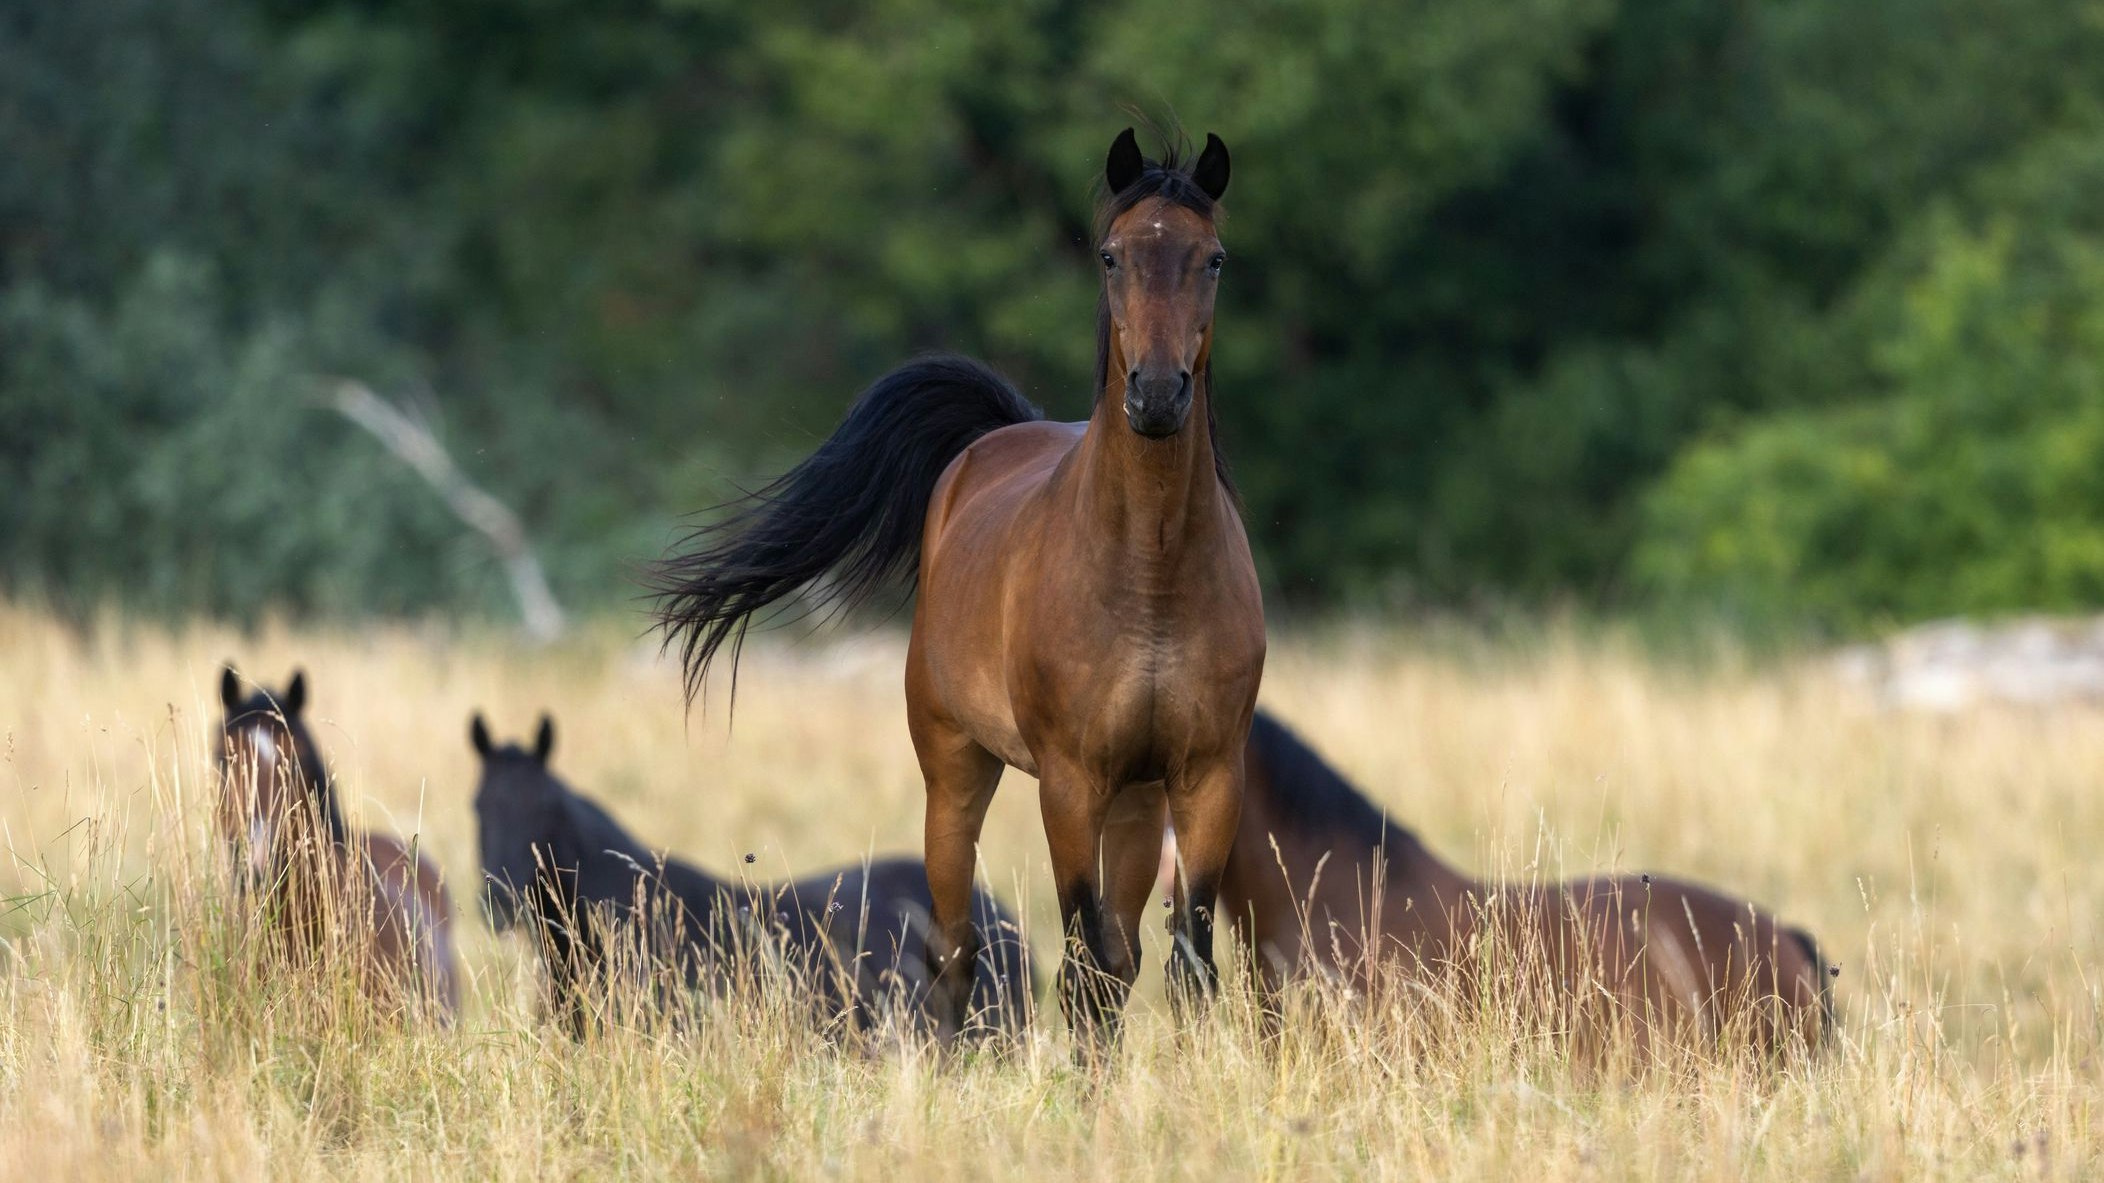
(879, 914)
(990, 480)
(1696, 955)
(413, 920)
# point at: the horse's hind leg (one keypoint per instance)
(1206, 807)
(960, 777)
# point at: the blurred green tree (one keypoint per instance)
(1496, 270)
(1972, 478)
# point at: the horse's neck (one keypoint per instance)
(1290, 881)
(310, 871)
(1411, 872)
(699, 892)
(610, 860)
(316, 783)
(315, 833)
(607, 859)
(1153, 498)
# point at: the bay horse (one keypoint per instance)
(1322, 882)
(557, 863)
(327, 890)
(1088, 611)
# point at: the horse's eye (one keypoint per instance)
(1109, 264)
(1218, 260)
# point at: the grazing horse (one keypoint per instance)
(324, 887)
(857, 935)
(1322, 881)
(1088, 611)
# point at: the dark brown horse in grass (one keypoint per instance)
(1088, 611)
(1322, 881)
(327, 890)
(853, 939)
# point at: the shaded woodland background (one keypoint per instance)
(1788, 311)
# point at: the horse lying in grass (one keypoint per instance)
(325, 889)
(856, 938)
(1321, 881)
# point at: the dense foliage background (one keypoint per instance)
(1793, 307)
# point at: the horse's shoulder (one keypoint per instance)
(400, 862)
(385, 852)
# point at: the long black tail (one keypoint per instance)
(855, 508)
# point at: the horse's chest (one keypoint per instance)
(1125, 667)
(1128, 701)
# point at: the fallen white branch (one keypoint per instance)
(414, 444)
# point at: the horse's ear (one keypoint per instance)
(295, 694)
(544, 742)
(229, 689)
(1124, 164)
(1210, 173)
(478, 734)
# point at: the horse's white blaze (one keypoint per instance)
(262, 829)
(265, 745)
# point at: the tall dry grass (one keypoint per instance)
(1946, 863)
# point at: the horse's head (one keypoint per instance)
(274, 790)
(1161, 267)
(519, 811)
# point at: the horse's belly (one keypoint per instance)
(956, 662)
(986, 717)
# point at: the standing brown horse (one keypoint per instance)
(1088, 611)
(325, 889)
(1322, 881)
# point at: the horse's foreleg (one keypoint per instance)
(1132, 863)
(1206, 807)
(960, 777)
(1096, 973)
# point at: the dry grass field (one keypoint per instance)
(1949, 865)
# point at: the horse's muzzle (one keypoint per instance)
(1157, 406)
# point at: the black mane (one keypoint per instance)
(593, 831)
(1313, 798)
(1170, 180)
(604, 862)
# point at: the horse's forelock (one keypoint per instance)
(1166, 179)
